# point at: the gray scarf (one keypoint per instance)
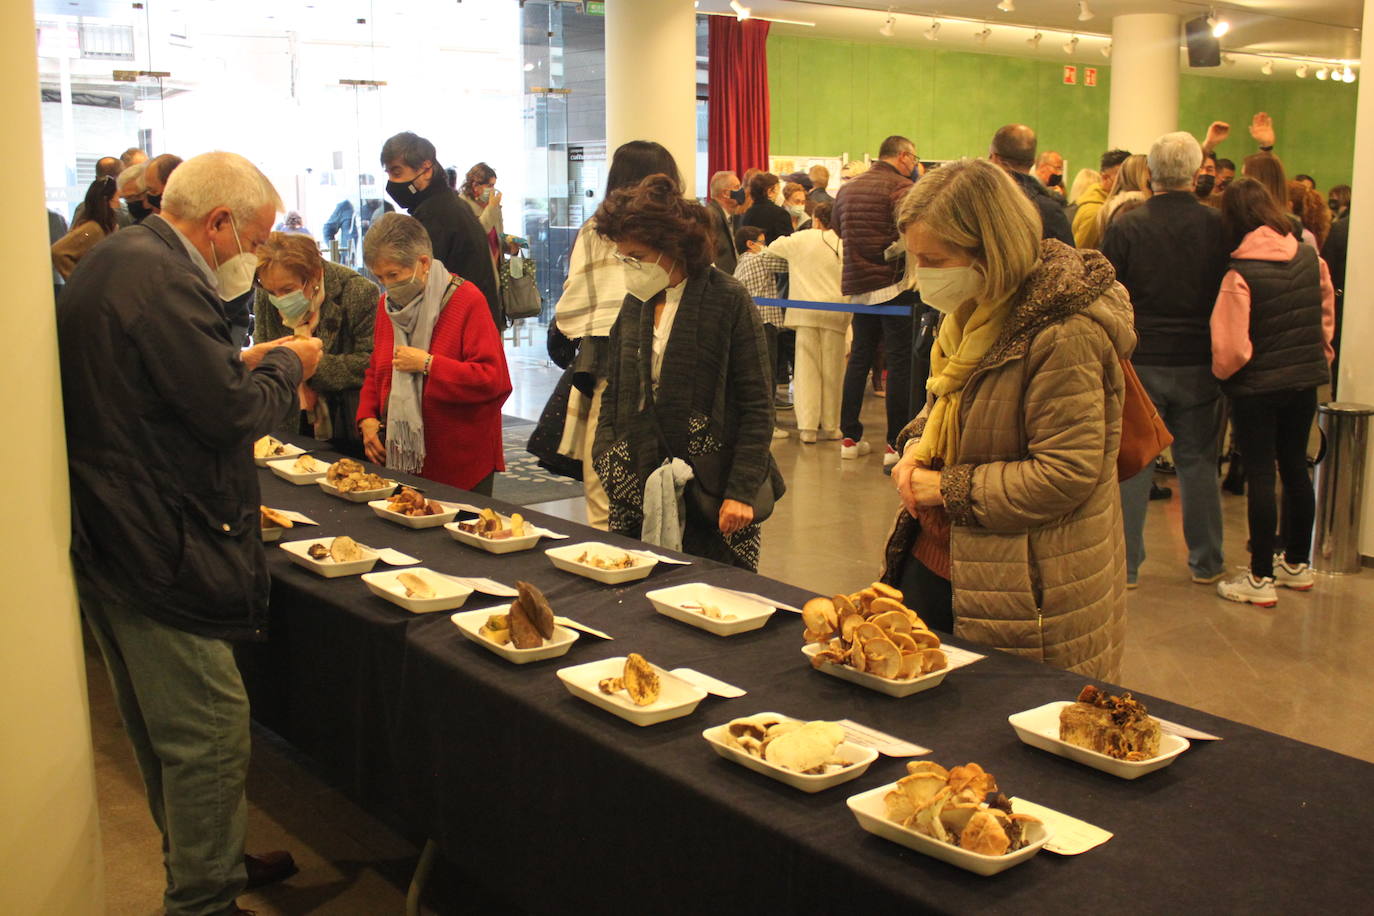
(412, 325)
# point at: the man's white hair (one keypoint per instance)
(1174, 159)
(130, 181)
(718, 182)
(218, 179)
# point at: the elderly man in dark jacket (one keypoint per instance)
(865, 217)
(418, 183)
(1171, 254)
(161, 413)
(1013, 148)
(720, 210)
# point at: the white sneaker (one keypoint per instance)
(1297, 577)
(890, 457)
(851, 449)
(807, 436)
(780, 433)
(1246, 589)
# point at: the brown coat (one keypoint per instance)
(69, 249)
(1037, 552)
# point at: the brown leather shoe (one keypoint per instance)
(268, 868)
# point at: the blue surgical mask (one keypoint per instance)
(294, 306)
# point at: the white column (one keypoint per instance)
(651, 81)
(49, 828)
(1357, 374)
(1144, 80)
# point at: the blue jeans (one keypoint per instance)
(186, 714)
(1189, 400)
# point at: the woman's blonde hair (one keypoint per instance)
(1086, 178)
(1133, 179)
(974, 205)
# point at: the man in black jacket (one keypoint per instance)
(161, 413)
(720, 209)
(418, 183)
(1170, 253)
(1013, 148)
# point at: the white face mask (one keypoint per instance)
(235, 276)
(947, 288)
(798, 211)
(645, 281)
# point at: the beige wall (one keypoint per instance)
(49, 832)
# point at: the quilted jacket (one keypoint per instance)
(866, 218)
(1037, 554)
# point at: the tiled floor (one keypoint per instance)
(1297, 670)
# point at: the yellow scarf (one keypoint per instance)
(965, 337)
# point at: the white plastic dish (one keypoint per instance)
(271, 533)
(565, 558)
(448, 595)
(297, 550)
(491, 545)
(359, 496)
(871, 813)
(856, 757)
(287, 451)
(676, 698)
(1039, 727)
(672, 602)
(470, 623)
(893, 688)
(379, 506)
(285, 469)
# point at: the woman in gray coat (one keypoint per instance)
(689, 377)
(299, 293)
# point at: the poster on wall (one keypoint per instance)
(786, 165)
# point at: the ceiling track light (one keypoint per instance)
(889, 26)
(1268, 68)
(1219, 26)
(1071, 45)
(1107, 50)
(1007, 6)
(1322, 73)
(1301, 72)
(1229, 60)
(1034, 40)
(1084, 14)
(742, 12)
(1348, 76)
(932, 33)
(983, 36)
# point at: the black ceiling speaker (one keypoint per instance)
(1203, 48)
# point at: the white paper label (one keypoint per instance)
(393, 557)
(881, 742)
(760, 599)
(1070, 835)
(1183, 731)
(958, 658)
(298, 518)
(708, 683)
(649, 554)
(485, 586)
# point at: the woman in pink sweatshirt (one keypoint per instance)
(1271, 349)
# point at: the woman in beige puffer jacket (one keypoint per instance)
(1028, 507)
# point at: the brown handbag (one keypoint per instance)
(1143, 433)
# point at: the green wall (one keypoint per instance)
(832, 97)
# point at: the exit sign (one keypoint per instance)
(1070, 75)
(1089, 76)
(594, 7)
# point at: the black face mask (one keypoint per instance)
(404, 193)
(1055, 180)
(154, 201)
(738, 196)
(1205, 185)
(139, 210)
(1333, 206)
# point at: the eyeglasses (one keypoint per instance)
(629, 261)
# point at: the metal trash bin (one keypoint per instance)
(1340, 487)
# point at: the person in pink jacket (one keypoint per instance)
(1271, 349)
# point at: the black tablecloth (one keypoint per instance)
(564, 807)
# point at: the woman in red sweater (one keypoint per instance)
(432, 396)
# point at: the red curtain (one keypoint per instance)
(737, 95)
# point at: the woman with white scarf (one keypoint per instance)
(432, 395)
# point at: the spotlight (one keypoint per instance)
(933, 33)
(1229, 60)
(1007, 6)
(1348, 76)
(1107, 50)
(982, 37)
(1071, 45)
(1268, 68)
(1084, 14)
(1034, 40)
(1322, 73)
(889, 26)
(1301, 72)
(742, 12)
(1219, 26)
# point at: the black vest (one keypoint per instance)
(1285, 326)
